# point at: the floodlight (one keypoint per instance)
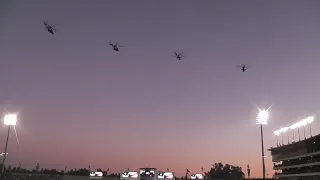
(285, 129)
(304, 122)
(310, 119)
(10, 119)
(262, 117)
(298, 124)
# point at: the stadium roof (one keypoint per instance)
(295, 144)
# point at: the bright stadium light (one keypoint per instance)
(262, 119)
(10, 120)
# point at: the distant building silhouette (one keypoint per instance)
(248, 170)
(19, 166)
(37, 167)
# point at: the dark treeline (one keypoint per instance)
(259, 179)
(73, 172)
(217, 171)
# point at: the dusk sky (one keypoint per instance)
(80, 103)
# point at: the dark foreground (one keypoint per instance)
(22, 176)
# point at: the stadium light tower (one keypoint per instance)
(262, 119)
(10, 120)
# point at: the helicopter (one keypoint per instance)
(243, 67)
(50, 28)
(178, 56)
(115, 46)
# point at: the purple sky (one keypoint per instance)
(81, 103)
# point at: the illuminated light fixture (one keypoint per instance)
(10, 119)
(277, 133)
(165, 175)
(129, 174)
(196, 176)
(262, 117)
(297, 125)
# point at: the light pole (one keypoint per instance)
(277, 133)
(1, 157)
(309, 121)
(261, 119)
(9, 119)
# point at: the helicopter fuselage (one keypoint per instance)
(49, 28)
(50, 31)
(178, 56)
(115, 47)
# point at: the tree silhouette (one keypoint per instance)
(220, 171)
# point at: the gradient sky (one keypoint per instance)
(81, 103)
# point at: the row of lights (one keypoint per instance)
(297, 125)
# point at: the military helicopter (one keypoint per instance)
(178, 56)
(115, 46)
(243, 67)
(50, 28)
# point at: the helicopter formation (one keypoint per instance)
(52, 30)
